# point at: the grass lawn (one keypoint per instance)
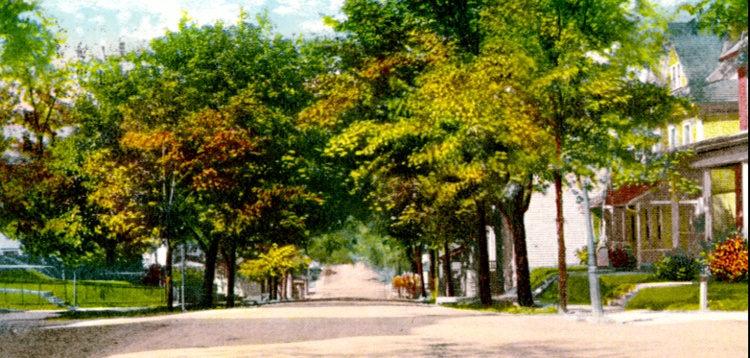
(88, 293)
(538, 275)
(612, 286)
(17, 301)
(502, 307)
(721, 297)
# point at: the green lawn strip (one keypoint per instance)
(501, 307)
(23, 276)
(540, 274)
(94, 314)
(721, 297)
(18, 301)
(96, 294)
(611, 286)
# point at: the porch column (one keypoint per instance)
(744, 199)
(675, 224)
(639, 241)
(707, 205)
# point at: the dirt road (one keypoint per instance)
(368, 329)
(349, 281)
(375, 329)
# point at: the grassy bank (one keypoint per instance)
(87, 293)
(721, 297)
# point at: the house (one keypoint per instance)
(9, 247)
(648, 218)
(541, 246)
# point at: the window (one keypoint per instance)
(687, 134)
(672, 136)
(675, 76)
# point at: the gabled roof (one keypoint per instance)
(728, 61)
(699, 56)
(624, 195)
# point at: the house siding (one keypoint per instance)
(717, 125)
(541, 229)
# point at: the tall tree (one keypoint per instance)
(585, 56)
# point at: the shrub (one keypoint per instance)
(677, 267)
(407, 285)
(622, 258)
(154, 276)
(728, 261)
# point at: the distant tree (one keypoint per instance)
(274, 264)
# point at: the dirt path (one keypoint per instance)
(349, 281)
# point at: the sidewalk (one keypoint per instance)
(619, 315)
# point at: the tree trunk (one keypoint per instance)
(420, 269)
(514, 208)
(447, 271)
(433, 270)
(230, 258)
(483, 261)
(275, 288)
(523, 284)
(168, 274)
(207, 300)
(110, 251)
(413, 255)
(562, 268)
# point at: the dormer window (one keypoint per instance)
(676, 78)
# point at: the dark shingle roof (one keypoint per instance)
(699, 55)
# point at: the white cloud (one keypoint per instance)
(297, 7)
(316, 27)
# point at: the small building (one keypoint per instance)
(9, 247)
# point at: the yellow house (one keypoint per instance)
(649, 219)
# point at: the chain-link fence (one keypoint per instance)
(27, 289)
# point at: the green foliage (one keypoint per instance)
(722, 17)
(193, 284)
(26, 43)
(277, 262)
(721, 297)
(729, 260)
(677, 267)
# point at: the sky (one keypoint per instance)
(97, 23)
(104, 23)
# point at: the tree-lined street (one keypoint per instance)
(372, 329)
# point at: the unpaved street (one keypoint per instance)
(350, 281)
(363, 329)
(375, 329)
